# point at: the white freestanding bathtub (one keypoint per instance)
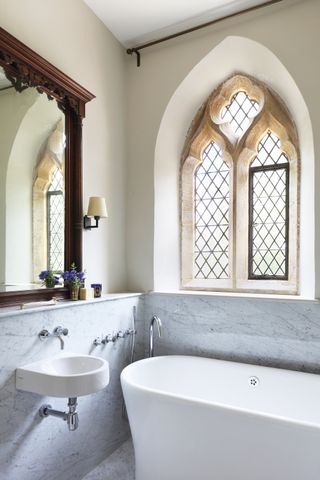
(194, 418)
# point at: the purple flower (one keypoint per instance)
(49, 278)
(43, 275)
(72, 278)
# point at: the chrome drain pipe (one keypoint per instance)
(71, 417)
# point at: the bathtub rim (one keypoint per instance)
(224, 406)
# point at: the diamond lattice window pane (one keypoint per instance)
(269, 152)
(56, 222)
(239, 113)
(212, 198)
(269, 211)
(56, 181)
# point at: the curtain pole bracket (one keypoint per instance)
(130, 51)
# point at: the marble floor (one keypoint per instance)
(119, 466)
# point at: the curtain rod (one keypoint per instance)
(136, 50)
(6, 88)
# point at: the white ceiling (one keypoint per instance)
(133, 22)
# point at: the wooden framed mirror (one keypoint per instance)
(25, 69)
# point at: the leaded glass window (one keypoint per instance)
(240, 193)
(212, 197)
(268, 206)
(239, 113)
(55, 208)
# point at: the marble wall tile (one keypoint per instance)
(43, 449)
(279, 333)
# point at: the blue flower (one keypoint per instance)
(49, 278)
(43, 275)
(72, 278)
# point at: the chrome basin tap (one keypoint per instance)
(154, 320)
(57, 332)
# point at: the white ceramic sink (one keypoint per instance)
(68, 375)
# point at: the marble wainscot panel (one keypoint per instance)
(272, 332)
(32, 448)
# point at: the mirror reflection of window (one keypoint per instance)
(48, 204)
(55, 222)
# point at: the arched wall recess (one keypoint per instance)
(232, 55)
(7, 139)
(40, 117)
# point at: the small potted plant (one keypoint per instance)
(73, 280)
(49, 278)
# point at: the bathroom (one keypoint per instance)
(128, 149)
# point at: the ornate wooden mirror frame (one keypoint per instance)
(25, 68)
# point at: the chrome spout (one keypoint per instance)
(155, 319)
(57, 332)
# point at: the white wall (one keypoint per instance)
(290, 31)
(69, 35)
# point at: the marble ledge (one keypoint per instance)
(17, 310)
(245, 295)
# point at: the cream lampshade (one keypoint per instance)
(97, 208)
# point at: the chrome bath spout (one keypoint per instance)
(154, 320)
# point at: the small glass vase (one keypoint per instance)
(49, 283)
(74, 293)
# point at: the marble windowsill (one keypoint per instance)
(17, 310)
(266, 296)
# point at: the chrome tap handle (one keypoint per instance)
(109, 338)
(43, 334)
(130, 331)
(60, 331)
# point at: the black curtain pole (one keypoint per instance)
(136, 50)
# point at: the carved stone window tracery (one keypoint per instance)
(50, 164)
(251, 242)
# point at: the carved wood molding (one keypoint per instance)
(25, 68)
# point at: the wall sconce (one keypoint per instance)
(97, 209)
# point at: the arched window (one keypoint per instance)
(239, 186)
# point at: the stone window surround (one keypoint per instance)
(208, 126)
(51, 159)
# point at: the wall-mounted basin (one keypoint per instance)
(69, 375)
